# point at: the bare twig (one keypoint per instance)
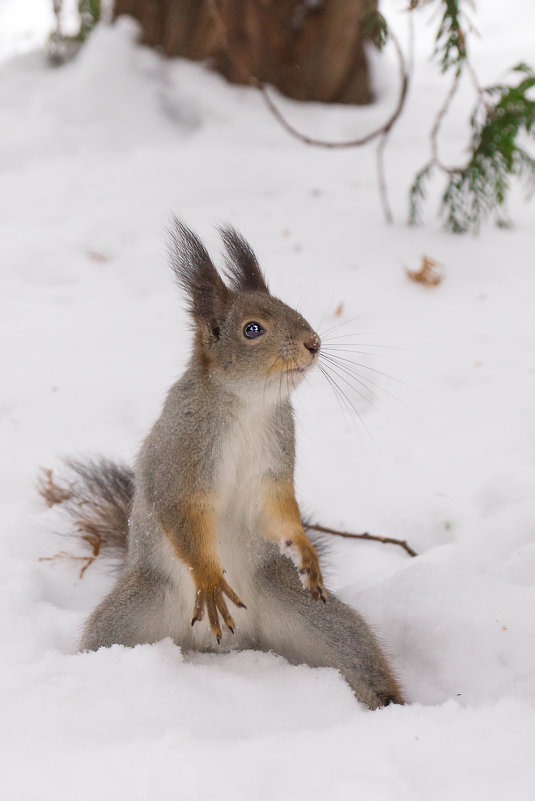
(435, 160)
(382, 130)
(406, 69)
(381, 178)
(51, 492)
(87, 560)
(381, 133)
(364, 536)
(410, 54)
(433, 136)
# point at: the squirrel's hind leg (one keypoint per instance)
(322, 635)
(132, 613)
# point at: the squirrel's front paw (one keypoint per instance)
(305, 558)
(209, 595)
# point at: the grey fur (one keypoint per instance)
(226, 428)
(97, 495)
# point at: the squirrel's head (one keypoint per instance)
(245, 337)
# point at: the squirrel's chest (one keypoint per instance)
(248, 454)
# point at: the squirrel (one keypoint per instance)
(214, 552)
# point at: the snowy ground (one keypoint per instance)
(94, 157)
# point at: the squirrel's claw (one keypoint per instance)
(318, 593)
(198, 609)
(223, 611)
(211, 598)
(306, 560)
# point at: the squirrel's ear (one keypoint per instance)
(243, 271)
(197, 277)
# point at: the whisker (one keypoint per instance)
(349, 404)
(333, 385)
(346, 349)
(367, 382)
(354, 334)
(287, 375)
(318, 327)
(303, 297)
(373, 370)
(336, 367)
(275, 360)
(350, 365)
(333, 343)
(344, 322)
(359, 338)
(306, 378)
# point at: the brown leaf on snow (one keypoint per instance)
(95, 255)
(429, 274)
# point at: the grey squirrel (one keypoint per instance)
(213, 550)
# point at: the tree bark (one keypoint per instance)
(308, 49)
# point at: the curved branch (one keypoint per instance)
(279, 116)
(363, 140)
(435, 130)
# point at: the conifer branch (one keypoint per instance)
(502, 114)
(474, 191)
(480, 187)
(502, 117)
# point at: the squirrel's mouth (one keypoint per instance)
(298, 369)
(291, 368)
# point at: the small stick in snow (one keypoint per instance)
(51, 492)
(365, 536)
(87, 560)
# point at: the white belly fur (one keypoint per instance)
(245, 458)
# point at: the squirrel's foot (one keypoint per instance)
(209, 596)
(305, 558)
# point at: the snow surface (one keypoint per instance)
(94, 158)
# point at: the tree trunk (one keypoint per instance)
(308, 49)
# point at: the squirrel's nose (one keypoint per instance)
(312, 344)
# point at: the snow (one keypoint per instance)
(95, 157)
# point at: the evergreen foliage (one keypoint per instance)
(503, 118)
(503, 115)
(417, 192)
(62, 48)
(450, 43)
(89, 11)
(375, 27)
(479, 188)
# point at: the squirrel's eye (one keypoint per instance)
(253, 330)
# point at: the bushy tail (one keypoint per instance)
(96, 494)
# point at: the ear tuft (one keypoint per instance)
(243, 271)
(196, 275)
